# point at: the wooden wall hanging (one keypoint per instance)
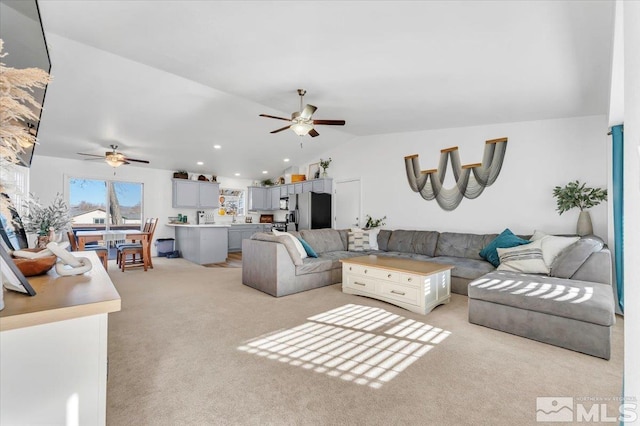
(429, 182)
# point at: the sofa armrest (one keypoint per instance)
(597, 268)
(267, 266)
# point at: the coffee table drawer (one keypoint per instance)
(359, 283)
(412, 280)
(368, 271)
(400, 293)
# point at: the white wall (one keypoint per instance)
(48, 176)
(539, 156)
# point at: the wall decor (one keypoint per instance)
(429, 183)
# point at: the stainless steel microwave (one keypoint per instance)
(284, 204)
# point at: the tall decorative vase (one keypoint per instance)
(584, 224)
(324, 173)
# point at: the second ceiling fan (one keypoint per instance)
(301, 121)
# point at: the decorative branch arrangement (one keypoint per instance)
(429, 183)
(576, 195)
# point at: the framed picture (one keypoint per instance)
(13, 278)
(314, 171)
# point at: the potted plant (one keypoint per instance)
(374, 223)
(181, 174)
(325, 165)
(577, 195)
(46, 222)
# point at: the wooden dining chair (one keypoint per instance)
(102, 252)
(133, 243)
(135, 249)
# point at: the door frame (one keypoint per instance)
(335, 187)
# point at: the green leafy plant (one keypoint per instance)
(39, 219)
(267, 182)
(325, 163)
(374, 223)
(574, 194)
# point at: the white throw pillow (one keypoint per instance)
(552, 245)
(526, 258)
(358, 240)
(296, 242)
(373, 238)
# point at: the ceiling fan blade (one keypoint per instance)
(133, 159)
(313, 133)
(330, 122)
(308, 111)
(90, 155)
(94, 159)
(279, 130)
(273, 116)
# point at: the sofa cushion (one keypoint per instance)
(572, 258)
(579, 300)
(323, 240)
(465, 268)
(424, 242)
(505, 240)
(383, 239)
(527, 258)
(458, 244)
(312, 265)
(335, 256)
(400, 240)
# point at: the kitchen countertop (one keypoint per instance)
(206, 225)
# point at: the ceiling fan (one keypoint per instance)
(301, 121)
(113, 157)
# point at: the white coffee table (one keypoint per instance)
(415, 285)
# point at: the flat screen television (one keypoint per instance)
(26, 47)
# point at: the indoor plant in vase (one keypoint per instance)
(325, 165)
(47, 222)
(574, 194)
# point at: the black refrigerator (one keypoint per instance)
(313, 211)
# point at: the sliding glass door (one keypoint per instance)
(105, 204)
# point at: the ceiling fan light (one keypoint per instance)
(114, 161)
(301, 129)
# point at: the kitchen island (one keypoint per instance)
(202, 244)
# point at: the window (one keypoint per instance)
(105, 204)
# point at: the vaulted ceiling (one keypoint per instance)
(166, 80)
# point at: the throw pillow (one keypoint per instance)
(527, 258)
(296, 242)
(552, 245)
(308, 248)
(358, 240)
(373, 238)
(505, 240)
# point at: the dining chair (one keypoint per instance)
(135, 249)
(102, 252)
(133, 243)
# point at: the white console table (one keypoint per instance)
(53, 362)
(411, 284)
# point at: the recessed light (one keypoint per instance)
(286, 160)
(237, 174)
(199, 163)
(264, 172)
(217, 147)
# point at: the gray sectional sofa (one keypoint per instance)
(573, 309)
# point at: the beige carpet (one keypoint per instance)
(193, 346)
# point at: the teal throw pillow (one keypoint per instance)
(505, 240)
(310, 252)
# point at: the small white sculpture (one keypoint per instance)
(78, 265)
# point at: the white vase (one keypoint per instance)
(584, 226)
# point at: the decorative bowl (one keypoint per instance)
(31, 267)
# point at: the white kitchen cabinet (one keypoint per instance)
(195, 194)
(274, 195)
(257, 198)
(268, 198)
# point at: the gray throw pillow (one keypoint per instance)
(571, 259)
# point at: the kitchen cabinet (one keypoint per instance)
(202, 244)
(268, 198)
(195, 194)
(239, 232)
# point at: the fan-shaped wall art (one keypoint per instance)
(429, 183)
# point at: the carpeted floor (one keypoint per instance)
(193, 346)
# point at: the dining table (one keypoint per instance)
(118, 235)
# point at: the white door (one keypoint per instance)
(347, 204)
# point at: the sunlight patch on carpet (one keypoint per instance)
(359, 344)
